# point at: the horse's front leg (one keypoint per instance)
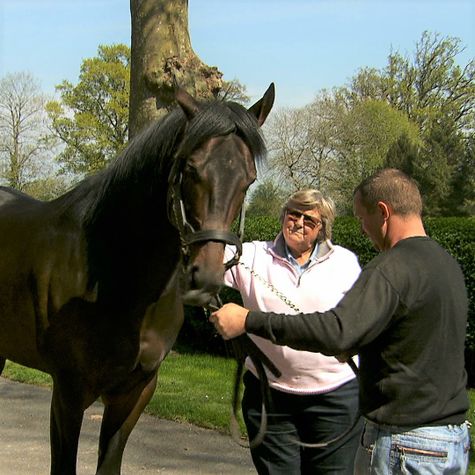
(121, 413)
(67, 411)
(158, 332)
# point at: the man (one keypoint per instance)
(406, 317)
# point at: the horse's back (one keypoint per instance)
(18, 217)
(8, 195)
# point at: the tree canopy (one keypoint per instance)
(25, 141)
(428, 87)
(421, 106)
(267, 200)
(92, 117)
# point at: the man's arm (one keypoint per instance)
(359, 317)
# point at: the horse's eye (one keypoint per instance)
(191, 172)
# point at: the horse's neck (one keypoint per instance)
(131, 244)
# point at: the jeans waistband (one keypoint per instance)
(449, 430)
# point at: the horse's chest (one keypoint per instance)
(159, 330)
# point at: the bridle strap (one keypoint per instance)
(214, 235)
(188, 235)
(207, 235)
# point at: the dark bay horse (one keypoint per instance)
(92, 283)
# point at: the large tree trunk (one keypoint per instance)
(162, 56)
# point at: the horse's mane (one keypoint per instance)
(220, 118)
(149, 156)
(159, 141)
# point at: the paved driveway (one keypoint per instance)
(156, 446)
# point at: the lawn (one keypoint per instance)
(471, 419)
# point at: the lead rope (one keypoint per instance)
(349, 361)
(271, 287)
(289, 303)
(243, 346)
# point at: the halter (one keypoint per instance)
(187, 233)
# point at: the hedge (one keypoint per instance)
(457, 235)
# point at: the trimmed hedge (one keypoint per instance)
(457, 235)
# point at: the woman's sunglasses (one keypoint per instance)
(309, 221)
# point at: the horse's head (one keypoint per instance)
(215, 166)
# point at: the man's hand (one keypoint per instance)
(230, 320)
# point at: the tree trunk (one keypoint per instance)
(162, 56)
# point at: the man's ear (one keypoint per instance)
(384, 210)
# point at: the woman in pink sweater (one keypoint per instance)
(316, 397)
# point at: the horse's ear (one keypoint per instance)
(186, 102)
(263, 106)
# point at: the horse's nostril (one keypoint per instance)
(194, 273)
(199, 278)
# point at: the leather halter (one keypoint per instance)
(187, 233)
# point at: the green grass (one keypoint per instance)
(471, 419)
(192, 388)
(196, 389)
(26, 375)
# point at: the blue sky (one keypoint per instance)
(301, 45)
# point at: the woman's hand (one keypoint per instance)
(230, 320)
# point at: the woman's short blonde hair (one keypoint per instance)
(309, 199)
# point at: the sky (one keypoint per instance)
(302, 46)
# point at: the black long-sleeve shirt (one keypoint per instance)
(406, 316)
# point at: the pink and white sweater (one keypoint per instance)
(318, 288)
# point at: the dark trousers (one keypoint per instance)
(309, 418)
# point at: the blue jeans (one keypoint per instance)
(437, 450)
(311, 418)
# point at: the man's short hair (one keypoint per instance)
(393, 187)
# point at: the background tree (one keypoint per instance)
(427, 87)
(235, 91)
(421, 106)
(92, 117)
(438, 95)
(331, 145)
(461, 201)
(161, 57)
(433, 86)
(446, 181)
(25, 141)
(365, 134)
(435, 171)
(300, 147)
(402, 154)
(266, 200)
(48, 187)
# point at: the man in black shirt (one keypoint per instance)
(406, 316)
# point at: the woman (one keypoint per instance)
(316, 397)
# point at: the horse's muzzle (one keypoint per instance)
(198, 297)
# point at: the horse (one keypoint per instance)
(92, 283)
